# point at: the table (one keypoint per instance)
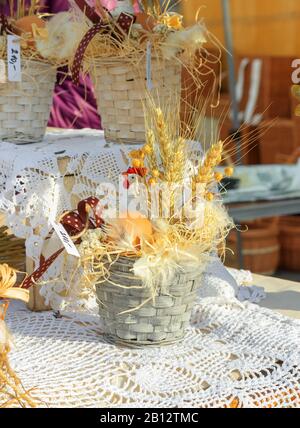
(248, 211)
(233, 355)
(282, 296)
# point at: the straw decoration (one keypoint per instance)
(12, 392)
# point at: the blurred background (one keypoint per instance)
(264, 197)
(262, 41)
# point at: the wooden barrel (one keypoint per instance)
(260, 247)
(290, 243)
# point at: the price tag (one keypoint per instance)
(149, 67)
(65, 239)
(2, 71)
(14, 59)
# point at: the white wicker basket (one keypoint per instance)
(130, 313)
(120, 89)
(25, 106)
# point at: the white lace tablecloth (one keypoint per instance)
(234, 355)
(40, 181)
(33, 186)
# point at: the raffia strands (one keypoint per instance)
(31, 55)
(8, 278)
(11, 389)
(12, 392)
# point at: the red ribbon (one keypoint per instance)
(5, 26)
(74, 222)
(88, 11)
(87, 38)
(123, 23)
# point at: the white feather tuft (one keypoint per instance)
(188, 40)
(64, 36)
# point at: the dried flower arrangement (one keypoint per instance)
(127, 46)
(26, 22)
(137, 258)
(27, 78)
(119, 37)
(167, 158)
(11, 389)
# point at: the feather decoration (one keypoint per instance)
(157, 270)
(188, 41)
(64, 35)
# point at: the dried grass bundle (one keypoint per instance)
(155, 24)
(12, 392)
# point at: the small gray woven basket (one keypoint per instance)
(147, 321)
(25, 106)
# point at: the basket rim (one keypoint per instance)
(40, 62)
(126, 60)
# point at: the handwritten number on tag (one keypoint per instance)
(65, 239)
(149, 66)
(14, 59)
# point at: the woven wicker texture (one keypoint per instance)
(146, 321)
(120, 90)
(25, 106)
(12, 249)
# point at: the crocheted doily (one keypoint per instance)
(233, 355)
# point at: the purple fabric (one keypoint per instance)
(73, 106)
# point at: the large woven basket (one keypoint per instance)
(120, 89)
(146, 321)
(25, 106)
